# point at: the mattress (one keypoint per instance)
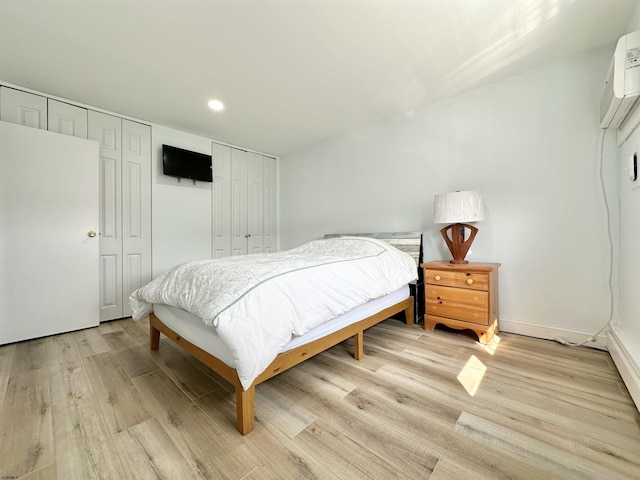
(193, 329)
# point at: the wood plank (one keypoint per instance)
(121, 340)
(200, 440)
(179, 367)
(280, 457)
(84, 442)
(147, 451)
(48, 472)
(89, 342)
(347, 457)
(67, 374)
(567, 459)
(115, 395)
(340, 411)
(31, 355)
(436, 440)
(136, 360)
(25, 424)
(447, 469)
(292, 419)
(6, 359)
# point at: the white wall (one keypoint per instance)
(530, 144)
(181, 212)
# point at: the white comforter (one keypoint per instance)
(257, 302)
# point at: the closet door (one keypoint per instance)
(136, 209)
(23, 108)
(239, 233)
(67, 119)
(107, 130)
(255, 203)
(269, 205)
(221, 201)
(243, 202)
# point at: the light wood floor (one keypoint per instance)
(99, 404)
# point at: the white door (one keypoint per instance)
(255, 203)
(48, 209)
(270, 227)
(239, 233)
(136, 209)
(221, 201)
(107, 131)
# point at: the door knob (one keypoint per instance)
(91, 234)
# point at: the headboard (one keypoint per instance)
(408, 242)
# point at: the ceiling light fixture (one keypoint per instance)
(216, 105)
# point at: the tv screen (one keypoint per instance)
(177, 162)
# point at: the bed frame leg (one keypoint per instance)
(358, 345)
(245, 408)
(154, 337)
(409, 313)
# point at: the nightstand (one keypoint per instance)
(462, 296)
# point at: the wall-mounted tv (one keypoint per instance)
(181, 163)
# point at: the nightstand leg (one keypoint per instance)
(428, 326)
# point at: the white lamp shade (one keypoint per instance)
(458, 207)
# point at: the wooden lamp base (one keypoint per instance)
(454, 237)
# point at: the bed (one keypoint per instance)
(269, 322)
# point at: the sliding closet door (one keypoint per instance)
(125, 210)
(23, 108)
(48, 248)
(66, 119)
(270, 226)
(107, 131)
(136, 209)
(243, 202)
(255, 203)
(221, 200)
(239, 233)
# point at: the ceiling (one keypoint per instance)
(291, 73)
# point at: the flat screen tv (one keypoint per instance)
(177, 162)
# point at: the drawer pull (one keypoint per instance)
(437, 278)
(469, 281)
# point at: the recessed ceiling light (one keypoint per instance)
(216, 105)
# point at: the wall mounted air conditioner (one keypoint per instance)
(621, 89)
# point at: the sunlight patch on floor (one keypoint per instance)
(491, 348)
(471, 375)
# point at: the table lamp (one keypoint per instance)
(458, 208)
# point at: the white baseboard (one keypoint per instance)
(627, 359)
(553, 333)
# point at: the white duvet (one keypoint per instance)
(257, 302)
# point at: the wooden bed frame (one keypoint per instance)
(409, 242)
(245, 399)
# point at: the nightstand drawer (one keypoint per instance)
(474, 280)
(459, 312)
(457, 295)
(462, 304)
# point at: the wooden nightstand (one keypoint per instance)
(463, 296)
